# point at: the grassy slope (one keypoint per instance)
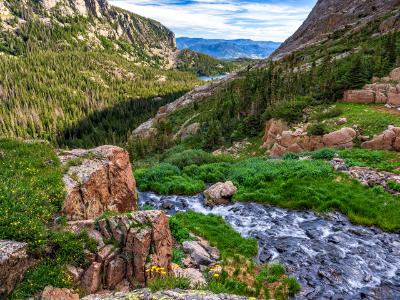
(31, 194)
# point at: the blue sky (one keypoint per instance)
(261, 20)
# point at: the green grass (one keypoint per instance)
(370, 118)
(217, 232)
(169, 283)
(306, 185)
(31, 191)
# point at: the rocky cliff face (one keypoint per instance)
(331, 15)
(100, 26)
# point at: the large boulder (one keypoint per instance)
(388, 140)
(359, 96)
(14, 262)
(220, 193)
(98, 180)
(395, 74)
(342, 138)
(198, 254)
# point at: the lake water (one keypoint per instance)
(209, 78)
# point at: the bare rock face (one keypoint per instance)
(14, 262)
(278, 140)
(51, 293)
(141, 240)
(198, 254)
(220, 193)
(98, 180)
(388, 140)
(331, 15)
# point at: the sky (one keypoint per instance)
(261, 20)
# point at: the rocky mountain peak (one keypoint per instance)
(331, 15)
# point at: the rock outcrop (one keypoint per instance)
(98, 180)
(139, 240)
(384, 90)
(165, 295)
(14, 262)
(388, 140)
(279, 140)
(329, 16)
(220, 193)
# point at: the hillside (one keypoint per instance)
(329, 16)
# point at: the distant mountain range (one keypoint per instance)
(229, 49)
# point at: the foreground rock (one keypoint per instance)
(388, 140)
(132, 243)
(14, 262)
(51, 293)
(279, 140)
(165, 295)
(220, 193)
(98, 180)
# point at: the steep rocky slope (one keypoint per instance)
(90, 24)
(331, 15)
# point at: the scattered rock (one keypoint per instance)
(98, 180)
(220, 193)
(14, 262)
(51, 293)
(234, 150)
(194, 275)
(198, 254)
(341, 121)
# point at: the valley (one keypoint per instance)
(133, 168)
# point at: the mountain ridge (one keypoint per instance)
(228, 49)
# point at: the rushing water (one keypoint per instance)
(331, 258)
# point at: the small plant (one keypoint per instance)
(168, 283)
(324, 154)
(394, 185)
(317, 129)
(177, 256)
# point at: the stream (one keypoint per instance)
(331, 258)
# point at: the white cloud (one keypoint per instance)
(227, 19)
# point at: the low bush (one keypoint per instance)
(190, 157)
(317, 129)
(324, 154)
(329, 113)
(290, 111)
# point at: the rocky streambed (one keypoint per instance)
(331, 258)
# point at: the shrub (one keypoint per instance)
(317, 129)
(290, 111)
(177, 256)
(394, 185)
(325, 154)
(329, 113)
(190, 157)
(179, 232)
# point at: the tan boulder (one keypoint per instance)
(384, 141)
(359, 96)
(14, 262)
(396, 144)
(91, 280)
(395, 74)
(220, 193)
(288, 138)
(295, 148)
(394, 99)
(98, 180)
(50, 293)
(277, 151)
(194, 275)
(273, 129)
(116, 271)
(342, 138)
